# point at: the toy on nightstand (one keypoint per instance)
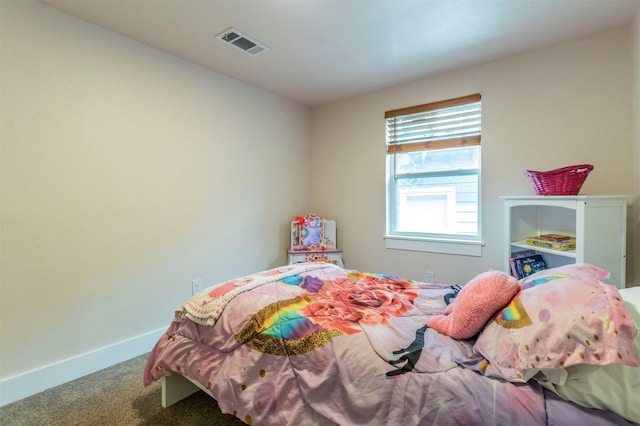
(313, 239)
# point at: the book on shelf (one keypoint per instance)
(523, 253)
(555, 237)
(560, 245)
(527, 265)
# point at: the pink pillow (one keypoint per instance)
(476, 303)
(561, 318)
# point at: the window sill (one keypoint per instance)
(434, 245)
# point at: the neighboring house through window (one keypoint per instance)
(433, 177)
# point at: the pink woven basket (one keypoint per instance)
(564, 181)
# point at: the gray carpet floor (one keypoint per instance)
(114, 396)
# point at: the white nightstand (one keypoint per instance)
(333, 256)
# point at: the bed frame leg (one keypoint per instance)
(176, 388)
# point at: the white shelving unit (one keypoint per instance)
(598, 223)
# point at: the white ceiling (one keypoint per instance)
(325, 50)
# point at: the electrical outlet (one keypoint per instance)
(430, 277)
(196, 286)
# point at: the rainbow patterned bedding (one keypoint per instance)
(315, 344)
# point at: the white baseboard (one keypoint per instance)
(31, 382)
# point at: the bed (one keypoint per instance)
(316, 344)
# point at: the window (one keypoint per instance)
(433, 177)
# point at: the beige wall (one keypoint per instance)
(126, 173)
(568, 104)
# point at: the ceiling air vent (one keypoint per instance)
(242, 42)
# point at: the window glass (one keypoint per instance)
(433, 171)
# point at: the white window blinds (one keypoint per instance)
(445, 124)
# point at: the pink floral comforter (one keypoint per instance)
(323, 345)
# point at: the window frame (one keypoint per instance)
(416, 241)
